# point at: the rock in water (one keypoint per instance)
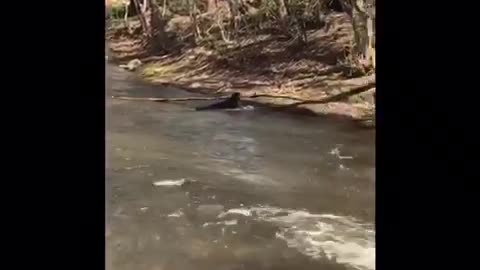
(231, 103)
(132, 65)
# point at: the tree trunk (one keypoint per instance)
(125, 17)
(144, 6)
(157, 28)
(283, 14)
(362, 23)
(192, 6)
(359, 21)
(164, 10)
(371, 46)
(141, 16)
(282, 9)
(234, 8)
(212, 5)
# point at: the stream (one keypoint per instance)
(227, 190)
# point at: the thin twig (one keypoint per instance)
(275, 96)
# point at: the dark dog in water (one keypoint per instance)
(233, 102)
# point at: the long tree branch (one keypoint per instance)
(339, 97)
(168, 99)
(275, 96)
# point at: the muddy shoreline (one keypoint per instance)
(202, 71)
(261, 102)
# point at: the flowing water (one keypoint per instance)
(247, 189)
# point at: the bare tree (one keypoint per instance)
(283, 14)
(193, 16)
(212, 5)
(282, 9)
(141, 16)
(144, 6)
(363, 27)
(157, 27)
(126, 5)
(164, 9)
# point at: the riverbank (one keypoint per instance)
(266, 65)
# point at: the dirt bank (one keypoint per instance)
(264, 65)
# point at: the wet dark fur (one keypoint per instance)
(231, 103)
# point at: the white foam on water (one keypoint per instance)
(226, 223)
(336, 152)
(248, 108)
(239, 211)
(177, 213)
(230, 222)
(166, 183)
(243, 108)
(343, 239)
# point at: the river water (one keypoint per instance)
(247, 189)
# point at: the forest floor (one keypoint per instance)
(265, 65)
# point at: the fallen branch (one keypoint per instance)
(275, 96)
(339, 97)
(200, 98)
(168, 99)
